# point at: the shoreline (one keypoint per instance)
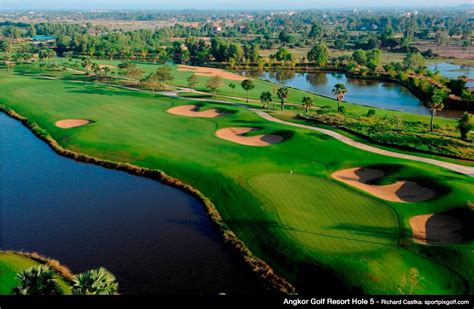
(464, 105)
(263, 272)
(54, 264)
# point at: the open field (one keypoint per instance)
(280, 200)
(11, 264)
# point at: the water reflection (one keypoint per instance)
(387, 95)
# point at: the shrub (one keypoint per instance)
(371, 112)
(465, 125)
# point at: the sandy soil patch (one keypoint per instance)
(236, 135)
(436, 229)
(400, 191)
(193, 111)
(102, 66)
(203, 71)
(71, 123)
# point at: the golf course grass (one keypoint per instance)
(11, 264)
(280, 200)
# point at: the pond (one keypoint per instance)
(386, 95)
(154, 238)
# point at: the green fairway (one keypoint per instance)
(11, 264)
(318, 215)
(280, 200)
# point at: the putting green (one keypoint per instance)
(325, 216)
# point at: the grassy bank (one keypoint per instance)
(12, 263)
(275, 199)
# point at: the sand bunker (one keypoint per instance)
(236, 135)
(203, 71)
(71, 123)
(436, 229)
(193, 111)
(400, 191)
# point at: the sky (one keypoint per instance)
(219, 4)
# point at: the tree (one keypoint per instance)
(96, 69)
(360, 56)
(86, 63)
(457, 86)
(46, 54)
(436, 105)
(374, 58)
(7, 48)
(214, 83)
(339, 91)
(465, 125)
(283, 54)
(283, 94)
(106, 70)
(130, 70)
(441, 39)
(95, 282)
(192, 80)
(163, 74)
(151, 81)
(307, 103)
(316, 33)
(247, 85)
(414, 61)
(37, 280)
(319, 54)
(265, 98)
(178, 53)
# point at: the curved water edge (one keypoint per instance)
(262, 270)
(368, 92)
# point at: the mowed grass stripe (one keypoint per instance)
(326, 216)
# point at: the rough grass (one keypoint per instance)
(134, 128)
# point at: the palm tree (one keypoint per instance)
(266, 97)
(282, 94)
(307, 102)
(247, 85)
(435, 106)
(339, 91)
(37, 280)
(95, 282)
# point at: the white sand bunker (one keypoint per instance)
(193, 111)
(71, 123)
(436, 229)
(400, 191)
(236, 135)
(203, 71)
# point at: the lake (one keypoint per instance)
(154, 238)
(454, 71)
(386, 95)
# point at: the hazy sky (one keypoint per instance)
(220, 4)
